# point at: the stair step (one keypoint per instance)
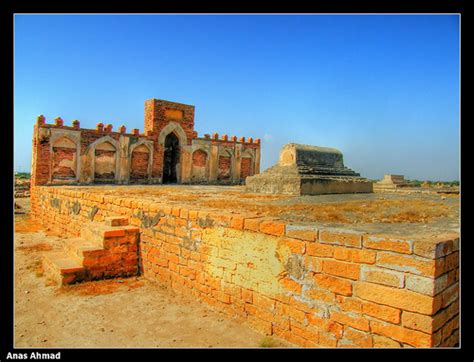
(78, 247)
(63, 268)
(97, 232)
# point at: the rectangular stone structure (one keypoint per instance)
(308, 170)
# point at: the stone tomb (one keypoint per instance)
(308, 170)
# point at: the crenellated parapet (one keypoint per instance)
(168, 150)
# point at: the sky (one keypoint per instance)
(383, 89)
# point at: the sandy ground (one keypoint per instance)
(132, 312)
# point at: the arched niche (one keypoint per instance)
(64, 159)
(247, 164)
(200, 166)
(105, 160)
(224, 165)
(140, 162)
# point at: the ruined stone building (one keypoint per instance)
(169, 151)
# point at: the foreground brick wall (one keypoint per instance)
(314, 288)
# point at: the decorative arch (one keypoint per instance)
(140, 160)
(177, 130)
(247, 164)
(64, 164)
(200, 165)
(105, 167)
(225, 165)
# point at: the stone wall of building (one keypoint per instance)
(313, 287)
(74, 155)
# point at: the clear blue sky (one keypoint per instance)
(384, 89)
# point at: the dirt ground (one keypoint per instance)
(131, 312)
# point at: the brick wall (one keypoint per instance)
(314, 288)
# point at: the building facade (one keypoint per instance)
(168, 151)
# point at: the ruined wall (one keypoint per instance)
(312, 287)
(63, 154)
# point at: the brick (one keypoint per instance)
(417, 321)
(428, 286)
(397, 298)
(351, 319)
(381, 312)
(347, 238)
(358, 338)
(271, 227)
(382, 276)
(301, 232)
(388, 244)
(341, 269)
(355, 255)
(348, 304)
(316, 249)
(321, 295)
(385, 342)
(252, 224)
(237, 222)
(296, 246)
(291, 285)
(401, 334)
(409, 264)
(336, 285)
(438, 247)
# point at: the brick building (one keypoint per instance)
(168, 151)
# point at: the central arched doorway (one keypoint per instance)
(171, 159)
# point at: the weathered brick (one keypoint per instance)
(428, 286)
(385, 342)
(419, 266)
(355, 255)
(301, 232)
(343, 237)
(382, 312)
(438, 247)
(272, 227)
(341, 269)
(360, 339)
(382, 276)
(388, 244)
(351, 319)
(336, 285)
(316, 249)
(397, 298)
(401, 334)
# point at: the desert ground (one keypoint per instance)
(131, 312)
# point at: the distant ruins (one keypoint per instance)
(390, 182)
(308, 170)
(169, 151)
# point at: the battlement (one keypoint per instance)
(168, 150)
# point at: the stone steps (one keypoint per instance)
(103, 250)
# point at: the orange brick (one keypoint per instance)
(291, 285)
(263, 302)
(336, 285)
(409, 264)
(316, 249)
(252, 223)
(359, 339)
(385, 342)
(305, 333)
(383, 276)
(348, 304)
(247, 295)
(382, 312)
(341, 269)
(352, 320)
(327, 340)
(113, 233)
(355, 255)
(434, 248)
(398, 298)
(388, 244)
(301, 232)
(295, 246)
(321, 295)
(237, 222)
(272, 227)
(401, 334)
(417, 321)
(352, 239)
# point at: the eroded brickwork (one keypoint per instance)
(313, 287)
(63, 154)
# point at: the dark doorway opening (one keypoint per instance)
(171, 159)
